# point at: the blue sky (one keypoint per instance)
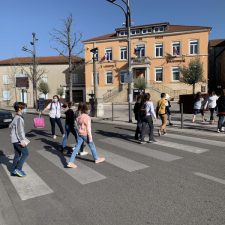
(18, 19)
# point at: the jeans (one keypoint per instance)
(138, 129)
(221, 121)
(147, 121)
(69, 129)
(58, 121)
(21, 154)
(80, 141)
(211, 113)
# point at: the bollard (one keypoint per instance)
(182, 116)
(112, 111)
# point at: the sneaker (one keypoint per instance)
(54, 136)
(151, 141)
(83, 153)
(164, 133)
(159, 132)
(99, 160)
(19, 173)
(71, 165)
(24, 174)
(13, 173)
(218, 131)
(142, 142)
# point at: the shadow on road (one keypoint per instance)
(5, 160)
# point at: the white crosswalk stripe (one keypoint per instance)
(197, 140)
(182, 147)
(208, 177)
(121, 162)
(83, 174)
(147, 151)
(27, 187)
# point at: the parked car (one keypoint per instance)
(6, 118)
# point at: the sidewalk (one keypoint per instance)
(120, 117)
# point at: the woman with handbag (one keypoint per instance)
(19, 140)
(54, 108)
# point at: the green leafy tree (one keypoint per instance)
(193, 73)
(60, 92)
(43, 87)
(140, 83)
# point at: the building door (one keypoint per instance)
(139, 73)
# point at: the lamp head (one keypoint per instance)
(94, 50)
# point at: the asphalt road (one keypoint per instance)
(180, 180)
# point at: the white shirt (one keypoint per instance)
(150, 111)
(211, 101)
(55, 111)
(198, 104)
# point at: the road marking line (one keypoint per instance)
(28, 187)
(198, 140)
(147, 151)
(218, 180)
(187, 148)
(83, 174)
(120, 161)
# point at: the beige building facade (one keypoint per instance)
(54, 71)
(157, 53)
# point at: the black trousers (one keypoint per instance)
(147, 122)
(58, 122)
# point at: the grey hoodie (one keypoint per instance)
(17, 129)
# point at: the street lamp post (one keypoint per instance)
(94, 52)
(34, 75)
(127, 14)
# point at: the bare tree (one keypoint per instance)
(34, 75)
(68, 41)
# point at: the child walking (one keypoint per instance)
(84, 134)
(18, 140)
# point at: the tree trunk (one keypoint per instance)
(193, 89)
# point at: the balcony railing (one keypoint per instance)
(140, 60)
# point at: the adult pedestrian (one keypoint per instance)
(220, 104)
(84, 135)
(161, 112)
(168, 110)
(198, 106)
(54, 108)
(211, 104)
(137, 115)
(19, 140)
(147, 120)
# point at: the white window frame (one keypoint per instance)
(159, 47)
(123, 53)
(106, 77)
(146, 30)
(135, 32)
(158, 69)
(176, 45)
(194, 47)
(142, 50)
(158, 29)
(123, 33)
(6, 79)
(6, 95)
(108, 54)
(172, 72)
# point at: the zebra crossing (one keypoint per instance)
(34, 186)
